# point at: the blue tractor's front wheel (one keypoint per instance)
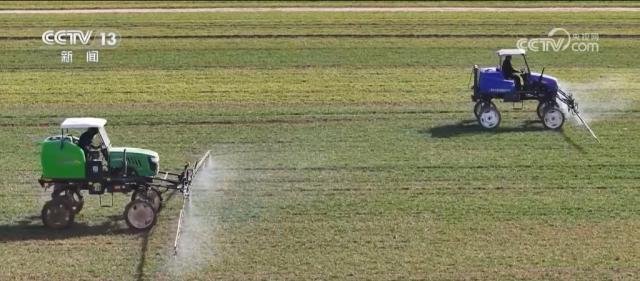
(552, 118)
(542, 106)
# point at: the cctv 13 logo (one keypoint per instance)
(79, 37)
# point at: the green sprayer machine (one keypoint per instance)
(71, 165)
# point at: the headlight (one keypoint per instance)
(153, 164)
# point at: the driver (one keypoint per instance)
(87, 138)
(509, 73)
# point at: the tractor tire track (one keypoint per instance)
(14, 122)
(496, 9)
(325, 36)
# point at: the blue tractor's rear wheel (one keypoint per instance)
(540, 109)
(476, 108)
(479, 105)
(489, 117)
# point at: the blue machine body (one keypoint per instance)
(492, 84)
(549, 83)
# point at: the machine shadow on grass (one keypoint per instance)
(144, 245)
(470, 127)
(31, 228)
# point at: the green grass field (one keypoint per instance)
(343, 146)
(13, 5)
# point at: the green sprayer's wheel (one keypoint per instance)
(140, 215)
(73, 196)
(152, 195)
(57, 213)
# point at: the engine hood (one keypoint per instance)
(143, 162)
(133, 150)
(549, 82)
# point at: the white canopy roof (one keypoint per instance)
(510, 52)
(83, 123)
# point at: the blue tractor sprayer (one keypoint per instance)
(502, 82)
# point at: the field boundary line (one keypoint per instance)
(327, 35)
(321, 9)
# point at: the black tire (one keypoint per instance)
(152, 195)
(542, 106)
(553, 118)
(57, 213)
(73, 196)
(140, 215)
(540, 109)
(477, 108)
(489, 117)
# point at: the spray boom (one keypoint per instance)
(185, 188)
(572, 106)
